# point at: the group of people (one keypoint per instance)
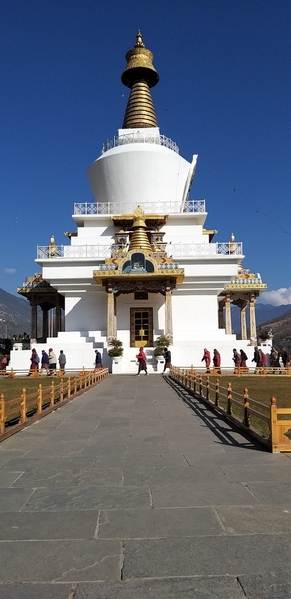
(278, 359)
(142, 360)
(239, 359)
(47, 362)
(216, 360)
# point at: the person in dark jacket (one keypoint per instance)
(98, 359)
(243, 362)
(62, 361)
(285, 357)
(257, 358)
(167, 356)
(45, 361)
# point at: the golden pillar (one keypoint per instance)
(111, 329)
(228, 326)
(243, 321)
(168, 312)
(253, 325)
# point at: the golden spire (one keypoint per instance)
(139, 239)
(139, 75)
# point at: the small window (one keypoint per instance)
(141, 295)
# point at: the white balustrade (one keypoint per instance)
(190, 206)
(139, 138)
(177, 250)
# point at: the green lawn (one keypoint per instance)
(261, 388)
(11, 388)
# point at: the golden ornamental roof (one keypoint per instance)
(139, 75)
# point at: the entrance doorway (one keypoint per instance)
(141, 327)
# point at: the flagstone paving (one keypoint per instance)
(128, 492)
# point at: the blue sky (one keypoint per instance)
(224, 93)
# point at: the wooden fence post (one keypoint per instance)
(75, 384)
(273, 423)
(52, 394)
(200, 385)
(69, 387)
(246, 418)
(217, 392)
(2, 414)
(229, 399)
(23, 406)
(61, 390)
(207, 388)
(39, 399)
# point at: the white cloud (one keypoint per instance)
(10, 271)
(277, 297)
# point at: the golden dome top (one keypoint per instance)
(139, 65)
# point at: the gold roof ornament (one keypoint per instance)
(139, 218)
(139, 239)
(139, 75)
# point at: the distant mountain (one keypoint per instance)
(15, 314)
(281, 327)
(266, 312)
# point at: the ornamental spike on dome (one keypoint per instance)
(139, 75)
(139, 239)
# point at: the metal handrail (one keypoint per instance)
(177, 250)
(141, 138)
(169, 207)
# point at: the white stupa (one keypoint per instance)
(140, 263)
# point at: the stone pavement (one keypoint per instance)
(126, 492)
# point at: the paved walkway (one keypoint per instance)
(128, 493)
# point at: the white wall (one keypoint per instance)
(139, 173)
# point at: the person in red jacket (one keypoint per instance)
(216, 361)
(142, 361)
(207, 359)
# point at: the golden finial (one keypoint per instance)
(139, 43)
(139, 75)
(232, 244)
(139, 239)
(138, 217)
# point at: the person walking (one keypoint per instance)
(207, 359)
(52, 362)
(257, 358)
(237, 361)
(167, 356)
(217, 361)
(274, 359)
(285, 357)
(98, 359)
(142, 361)
(44, 362)
(243, 360)
(62, 361)
(34, 362)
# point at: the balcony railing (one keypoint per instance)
(139, 138)
(170, 207)
(177, 250)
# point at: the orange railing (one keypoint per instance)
(267, 423)
(18, 412)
